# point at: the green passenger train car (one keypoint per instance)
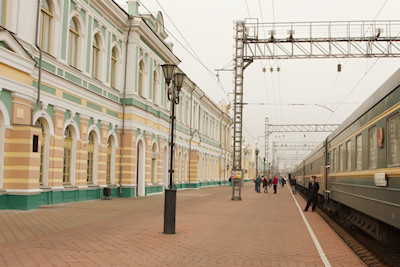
(358, 165)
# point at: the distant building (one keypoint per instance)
(102, 103)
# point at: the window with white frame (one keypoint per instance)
(113, 67)
(155, 82)
(95, 56)
(46, 18)
(141, 79)
(74, 40)
(359, 152)
(67, 155)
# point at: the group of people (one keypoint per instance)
(268, 183)
(313, 188)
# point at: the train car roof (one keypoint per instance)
(386, 88)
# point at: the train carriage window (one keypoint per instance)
(393, 143)
(373, 147)
(359, 152)
(337, 156)
(348, 155)
(341, 157)
(333, 156)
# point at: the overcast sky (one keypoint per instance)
(207, 25)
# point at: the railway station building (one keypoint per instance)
(91, 109)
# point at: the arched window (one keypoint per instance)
(73, 47)
(154, 164)
(67, 155)
(155, 79)
(39, 123)
(113, 67)
(3, 12)
(89, 177)
(95, 56)
(45, 24)
(141, 78)
(109, 159)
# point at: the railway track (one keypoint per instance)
(370, 251)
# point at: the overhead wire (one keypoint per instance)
(367, 71)
(187, 50)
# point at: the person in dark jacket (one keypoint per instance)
(313, 188)
(293, 183)
(265, 184)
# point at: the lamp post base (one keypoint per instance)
(169, 211)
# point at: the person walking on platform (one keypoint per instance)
(258, 183)
(270, 182)
(275, 183)
(265, 184)
(230, 181)
(255, 184)
(283, 182)
(313, 188)
(293, 183)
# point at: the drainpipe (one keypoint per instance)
(40, 58)
(123, 108)
(190, 131)
(220, 144)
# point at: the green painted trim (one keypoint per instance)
(4, 45)
(99, 126)
(64, 30)
(44, 88)
(67, 115)
(153, 189)
(50, 111)
(83, 14)
(108, 56)
(46, 65)
(152, 49)
(22, 202)
(113, 97)
(71, 98)
(77, 119)
(94, 106)
(116, 129)
(95, 88)
(103, 30)
(84, 83)
(83, 0)
(60, 72)
(73, 78)
(120, 31)
(6, 98)
(90, 121)
(112, 113)
(89, 46)
(149, 109)
(120, 43)
(128, 192)
(72, 6)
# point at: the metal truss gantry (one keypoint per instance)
(338, 39)
(291, 147)
(301, 40)
(294, 128)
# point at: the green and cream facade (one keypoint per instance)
(103, 115)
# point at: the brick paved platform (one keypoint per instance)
(261, 230)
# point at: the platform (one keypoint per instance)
(212, 230)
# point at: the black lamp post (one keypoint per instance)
(173, 97)
(257, 151)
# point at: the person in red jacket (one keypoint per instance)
(275, 183)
